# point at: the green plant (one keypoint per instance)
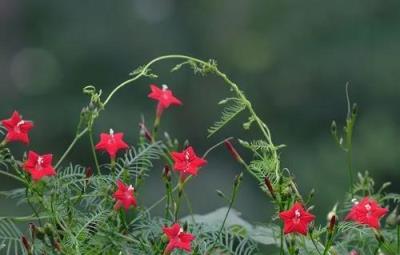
(76, 211)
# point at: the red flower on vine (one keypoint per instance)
(296, 219)
(112, 143)
(164, 97)
(177, 239)
(367, 212)
(124, 196)
(39, 166)
(187, 162)
(17, 128)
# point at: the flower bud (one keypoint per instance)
(57, 245)
(354, 110)
(392, 218)
(167, 173)
(26, 244)
(220, 193)
(269, 186)
(33, 230)
(354, 252)
(166, 170)
(88, 172)
(238, 179)
(232, 150)
(145, 132)
(91, 106)
(332, 223)
(333, 128)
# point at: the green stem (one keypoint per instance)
(235, 190)
(113, 167)
(181, 186)
(350, 166)
(315, 244)
(231, 202)
(189, 205)
(12, 176)
(156, 125)
(32, 217)
(327, 246)
(96, 161)
(216, 146)
(71, 146)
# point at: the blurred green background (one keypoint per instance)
(292, 59)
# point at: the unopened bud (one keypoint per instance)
(269, 186)
(232, 150)
(84, 110)
(238, 179)
(332, 223)
(220, 193)
(33, 230)
(166, 170)
(167, 173)
(354, 110)
(354, 252)
(26, 244)
(185, 226)
(145, 132)
(91, 106)
(88, 172)
(392, 218)
(333, 127)
(57, 245)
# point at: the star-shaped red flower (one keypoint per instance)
(39, 166)
(17, 128)
(296, 220)
(164, 97)
(124, 196)
(177, 239)
(367, 212)
(187, 162)
(111, 143)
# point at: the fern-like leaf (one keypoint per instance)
(236, 106)
(10, 238)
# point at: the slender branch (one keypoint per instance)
(215, 146)
(12, 176)
(96, 161)
(77, 137)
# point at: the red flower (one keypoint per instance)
(164, 97)
(187, 162)
(111, 143)
(17, 128)
(177, 239)
(367, 212)
(124, 196)
(39, 166)
(296, 219)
